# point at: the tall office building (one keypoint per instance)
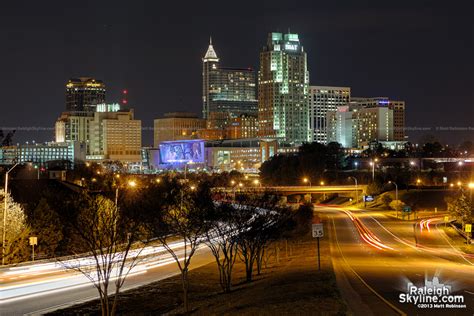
(83, 94)
(283, 82)
(398, 108)
(323, 99)
(226, 92)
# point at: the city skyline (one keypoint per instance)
(339, 54)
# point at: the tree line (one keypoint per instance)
(113, 226)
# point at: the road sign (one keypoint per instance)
(468, 228)
(446, 219)
(318, 230)
(368, 198)
(407, 208)
(33, 241)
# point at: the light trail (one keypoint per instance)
(368, 236)
(63, 278)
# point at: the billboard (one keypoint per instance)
(182, 151)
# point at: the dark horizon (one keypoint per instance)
(420, 53)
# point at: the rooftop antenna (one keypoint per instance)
(210, 40)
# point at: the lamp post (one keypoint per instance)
(306, 180)
(5, 212)
(396, 194)
(356, 190)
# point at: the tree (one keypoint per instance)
(107, 237)
(261, 220)
(386, 200)
(184, 217)
(222, 240)
(397, 205)
(460, 207)
(6, 140)
(46, 225)
(16, 232)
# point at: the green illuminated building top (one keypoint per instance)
(283, 82)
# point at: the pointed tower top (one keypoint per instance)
(211, 53)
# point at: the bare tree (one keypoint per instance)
(222, 240)
(183, 217)
(109, 244)
(260, 218)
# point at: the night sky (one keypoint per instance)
(421, 53)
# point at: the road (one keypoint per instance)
(375, 257)
(47, 290)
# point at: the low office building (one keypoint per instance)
(44, 154)
(177, 126)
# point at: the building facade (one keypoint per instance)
(227, 93)
(356, 126)
(244, 126)
(398, 108)
(322, 100)
(115, 135)
(177, 126)
(74, 126)
(283, 83)
(83, 94)
(43, 154)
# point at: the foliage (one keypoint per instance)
(461, 208)
(386, 200)
(396, 205)
(312, 160)
(17, 231)
(46, 225)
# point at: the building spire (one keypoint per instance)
(211, 53)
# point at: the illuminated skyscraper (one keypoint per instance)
(226, 92)
(323, 100)
(83, 94)
(283, 80)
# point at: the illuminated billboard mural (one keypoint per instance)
(182, 151)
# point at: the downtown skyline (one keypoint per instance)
(158, 58)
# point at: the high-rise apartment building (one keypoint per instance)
(283, 83)
(115, 135)
(356, 126)
(398, 108)
(83, 94)
(177, 126)
(322, 100)
(226, 92)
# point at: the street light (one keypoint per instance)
(257, 182)
(396, 194)
(306, 180)
(372, 163)
(321, 183)
(5, 213)
(357, 193)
